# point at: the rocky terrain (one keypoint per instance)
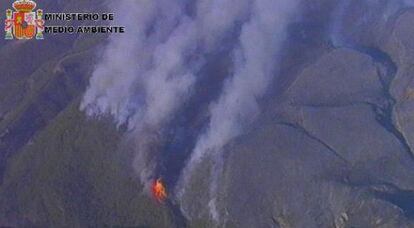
(333, 145)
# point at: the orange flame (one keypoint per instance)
(158, 190)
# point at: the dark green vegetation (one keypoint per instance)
(332, 147)
(57, 167)
(72, 176)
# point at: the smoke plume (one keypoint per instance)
(147, 74)
(255, 60)
(144, 72)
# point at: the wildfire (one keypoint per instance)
(158, 190)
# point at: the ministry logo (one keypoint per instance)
(23, 23)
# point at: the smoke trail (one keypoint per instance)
(143, 77)
(143, 73)
(116, 79)
(147, 73)
(255, 59)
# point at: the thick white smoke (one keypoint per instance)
(255, 62)
(146, 74)
(256, 59)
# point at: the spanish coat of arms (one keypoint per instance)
(23, 23)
